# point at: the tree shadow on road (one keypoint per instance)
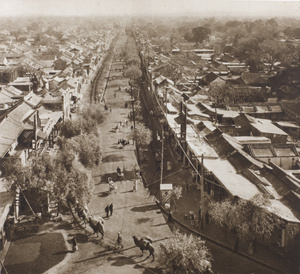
(142, 220)
(102, 194)
(149, 270)
(130, 174)
(112, 158)
(103, 253)
(144, 208)
(159, 224)
(65, 226)
(127, 191)
(81, 238)
(104, 177)
(125, 260)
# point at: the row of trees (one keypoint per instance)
(141, 134)
(68, 173)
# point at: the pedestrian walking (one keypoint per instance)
(170, 217)
(115, 95)
(120, 240)
(74, 242)
(126, 105)
(111, 208)
(110, 109)
(107, 211)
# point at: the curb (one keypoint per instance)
(55, 268)
(218, 243)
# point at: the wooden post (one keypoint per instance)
(162, 157)
(133, 114)
(202, 194)
(17, 204)
(35, 131)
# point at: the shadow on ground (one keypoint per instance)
(126, 260)
(51, 250)
(81, 238)
(113, 158)
(65, 226)
(149, 270)
(144, 208)
(103, 194)
(139, 221)
(104, 177)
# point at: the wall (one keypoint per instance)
(283, 162)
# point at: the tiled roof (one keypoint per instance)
(5, 98)
(21, 113)
(10, 130)
(68, 60)
(254, 79)
(32, 99)
(266, 126)
(12, 91)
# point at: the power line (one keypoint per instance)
(156, 181)
(187, 157)
(190, 161)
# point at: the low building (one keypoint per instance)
(22, 83)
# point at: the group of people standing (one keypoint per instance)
(109, 210)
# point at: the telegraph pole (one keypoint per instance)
(202, 194)
(132, 104)
(162, 156)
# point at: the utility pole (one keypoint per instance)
(202, 194)
(162, 157)
(197, 170)
(216, 114)
(35, 128)
(166, 101)
(132, 104)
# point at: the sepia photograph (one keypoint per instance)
(141, 137)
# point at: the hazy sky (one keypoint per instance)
(269, 8)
